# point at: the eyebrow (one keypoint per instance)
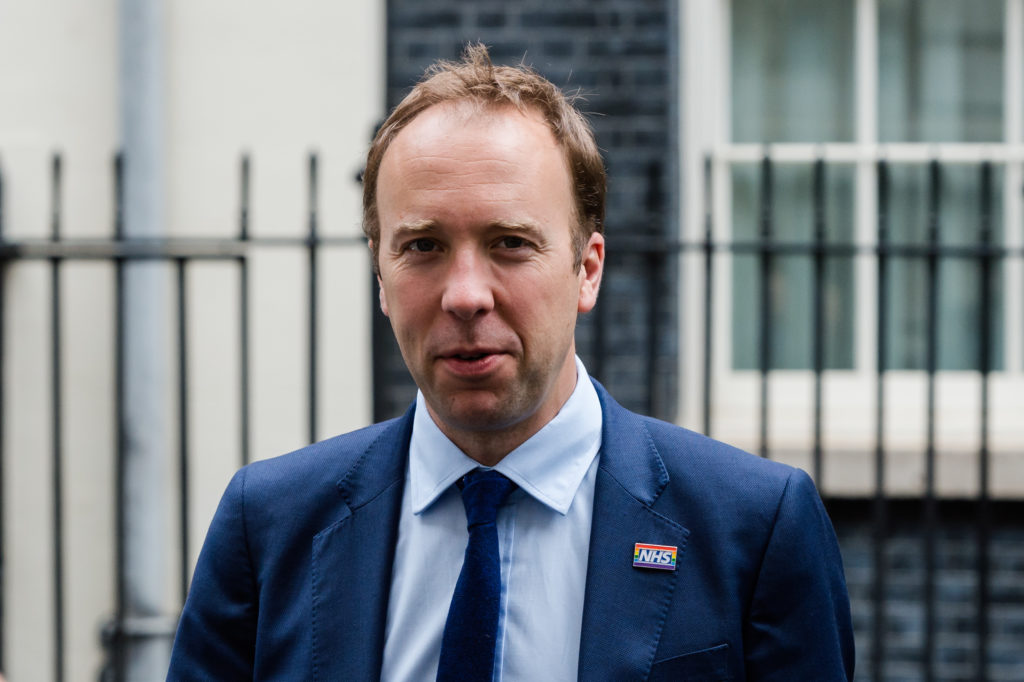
(404, 230)
(530, 229)
(416, 226)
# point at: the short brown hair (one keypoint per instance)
(475, 78)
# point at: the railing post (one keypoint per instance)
(932, 364)
(312, 247)
(243, 310)
(709, 260)
(880, 511)
(56, 419)
(3, 502)
(818, 315)
(984, 515)
(765, 264)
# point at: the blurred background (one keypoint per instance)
(815, 252)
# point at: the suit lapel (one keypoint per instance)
(625, 607)
(352, 561)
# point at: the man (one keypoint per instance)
(617, 548)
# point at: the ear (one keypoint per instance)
(380, 285)
(382, 297)
(591, 269)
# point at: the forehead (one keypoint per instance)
(459, 115)
(472, 152)
(474, 130)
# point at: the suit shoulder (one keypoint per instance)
(679, 441)
(692, 464)
(692, 456)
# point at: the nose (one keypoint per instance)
(468, 289)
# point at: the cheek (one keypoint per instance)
(549, 306)
(406, 305)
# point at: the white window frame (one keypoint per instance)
(848, 395)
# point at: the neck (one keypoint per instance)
(485, 448)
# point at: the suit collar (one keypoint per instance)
(642, 473)
(352, 561)
(625, 607)
(381, 465)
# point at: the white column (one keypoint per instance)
(866, 216)
(704, 37)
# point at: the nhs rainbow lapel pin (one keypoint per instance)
(661, 557)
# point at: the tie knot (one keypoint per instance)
(483, 491)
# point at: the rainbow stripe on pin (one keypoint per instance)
(661, 557)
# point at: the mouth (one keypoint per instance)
(472, 362)
(469, 352)
(469, 356)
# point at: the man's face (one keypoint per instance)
(476, 268)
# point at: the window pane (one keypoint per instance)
(791, 277)
(959, 279)
(940, 70)
(792, 71)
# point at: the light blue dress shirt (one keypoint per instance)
(543, 535)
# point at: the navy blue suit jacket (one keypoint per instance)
(293, 580)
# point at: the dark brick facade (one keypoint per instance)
(619, 55)
(956, 588)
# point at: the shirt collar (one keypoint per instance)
(549, 466)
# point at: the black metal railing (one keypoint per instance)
(987, 255)
(179, 254)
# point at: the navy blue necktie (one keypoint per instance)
(467, 648)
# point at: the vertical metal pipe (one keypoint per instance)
(984, 520)
(56, 415)
(183, 430)
(243, 310)
(931, 362)
(708, 291)
(313, 241)
(146, 429)
(880, 520)
(818, 319)
(765, 271)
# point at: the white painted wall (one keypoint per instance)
(276, 80)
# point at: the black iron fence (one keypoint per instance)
(989, 258)
(179, 255)
(876, 510)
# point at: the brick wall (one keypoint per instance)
(619, 54)
(956, 585)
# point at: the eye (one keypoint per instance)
(421, 245)
(512, 242)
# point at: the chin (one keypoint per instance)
(480, 419)
(492, 413)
